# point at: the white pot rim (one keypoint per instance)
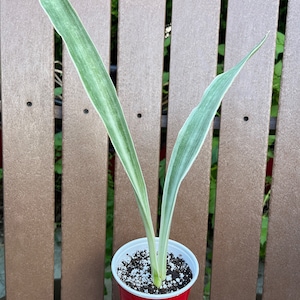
(141, 244)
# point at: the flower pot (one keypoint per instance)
(128, 293)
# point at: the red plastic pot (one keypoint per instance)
(127, 293)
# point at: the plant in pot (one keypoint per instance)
(156, 252)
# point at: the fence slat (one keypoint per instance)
(193, 65)
(243, 151)
(282, 270)
(28, 122)
(139, 84)
(85, 147)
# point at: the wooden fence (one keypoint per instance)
(28, 122)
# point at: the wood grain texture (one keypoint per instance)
(85, 157)
(28, 140)
(139, 85)
(282, 271)
(243, 151)
(193, 65)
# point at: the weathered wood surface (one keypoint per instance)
(282, 271)
(28, 124)
(193, 65)
(243, 151)
(28, 137)
(139, 85)
(85, 159)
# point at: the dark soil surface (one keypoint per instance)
(136, 273)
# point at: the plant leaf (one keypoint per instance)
(264, 230)
(103, 96)
(187, 146)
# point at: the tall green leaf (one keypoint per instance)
(188, 144)
(102, 94)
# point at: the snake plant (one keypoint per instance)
(103, 96)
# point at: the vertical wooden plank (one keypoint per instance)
(282, 270)
(140, 59)
(243, 151)
(28, 123)
(85, 146)
(139, 84)
(195, 32)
